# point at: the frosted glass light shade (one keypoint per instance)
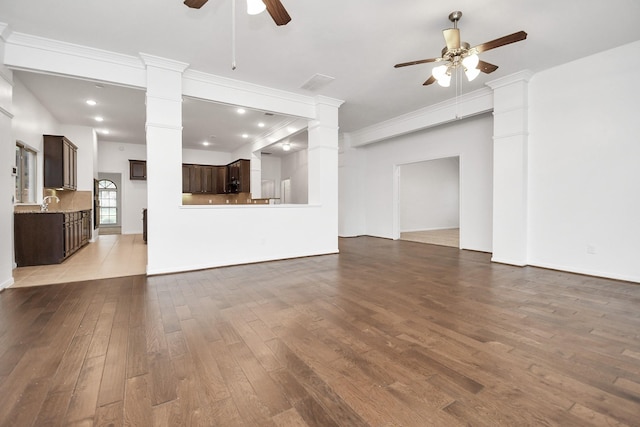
(445, 81)
(470, 61)
(439, 71)
(472, 73)
(255, 7)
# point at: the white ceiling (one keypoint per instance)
(356, 42)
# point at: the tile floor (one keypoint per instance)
(447, 237)
(109, 256)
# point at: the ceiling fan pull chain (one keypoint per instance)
(233, 34)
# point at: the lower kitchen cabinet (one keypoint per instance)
(51, 237)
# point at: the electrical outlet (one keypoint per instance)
(591, 250)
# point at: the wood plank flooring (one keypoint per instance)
(387, 333)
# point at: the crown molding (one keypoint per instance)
(520, 76)
(5, 31)
(164, 63)
(85, 52)
(237, 92)
(467, 105)
(331, 102)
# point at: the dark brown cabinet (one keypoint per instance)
(202, 179)
(49, 238)
(60, 162)
(232, 178)
(239, 174)
(138, 170)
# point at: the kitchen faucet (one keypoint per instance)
(44, 207)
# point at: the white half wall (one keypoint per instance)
(471, 140)
(430, 195)
(584, 206)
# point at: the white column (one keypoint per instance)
(7, 162)
(510, 168)
(164, 154)
(323, 159)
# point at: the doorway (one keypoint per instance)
(429, 201)
(110, 203)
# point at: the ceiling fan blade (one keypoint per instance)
(196, 4)
(277, 12)
(452, 37)
(485, 67)
(422, 61)
(511, 38)
(429, 81)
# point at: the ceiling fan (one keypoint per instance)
(274, 7)
(458, 54)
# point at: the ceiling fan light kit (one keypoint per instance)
(460, 55)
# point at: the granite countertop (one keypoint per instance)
(49, 212)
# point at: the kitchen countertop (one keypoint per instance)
(51, 212)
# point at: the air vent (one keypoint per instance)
(264, 153)
(268, 114)
(317, 82)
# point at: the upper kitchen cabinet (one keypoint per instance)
(60, 162)
(239, 176)
(138, 170)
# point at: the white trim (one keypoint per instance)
(586, 271)
(164, 63)
(470, 104)
(237, 92)
(524, 75)
(7, 283)
(84, 52)
(508, 261)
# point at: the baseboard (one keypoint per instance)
(453, 227)
(7, 283)
(586, 272)
(508, 261)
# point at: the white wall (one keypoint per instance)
(584, 170)
(31, 120)
(85, 139)
(271, 170)
(295, 167)
(7, 160)
(471, 140)
(430, 195)
(206, 157)
(113, 157)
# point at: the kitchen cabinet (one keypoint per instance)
(60, 162)
(186, 178)
(138, 170)
(202, 179)
(207, 179)
(239, 176)
(49, 238)
(221, 180)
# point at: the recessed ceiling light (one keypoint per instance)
(206, 143)
(99, 86)
(91, 102)
(98, 119)
(260, 125)
(244, 135)
(286, 146)
(241, 110)
(105, 131)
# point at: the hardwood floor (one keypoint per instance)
(387, 333)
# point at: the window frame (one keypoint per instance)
(31, 176)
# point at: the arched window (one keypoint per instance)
(108, 195)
